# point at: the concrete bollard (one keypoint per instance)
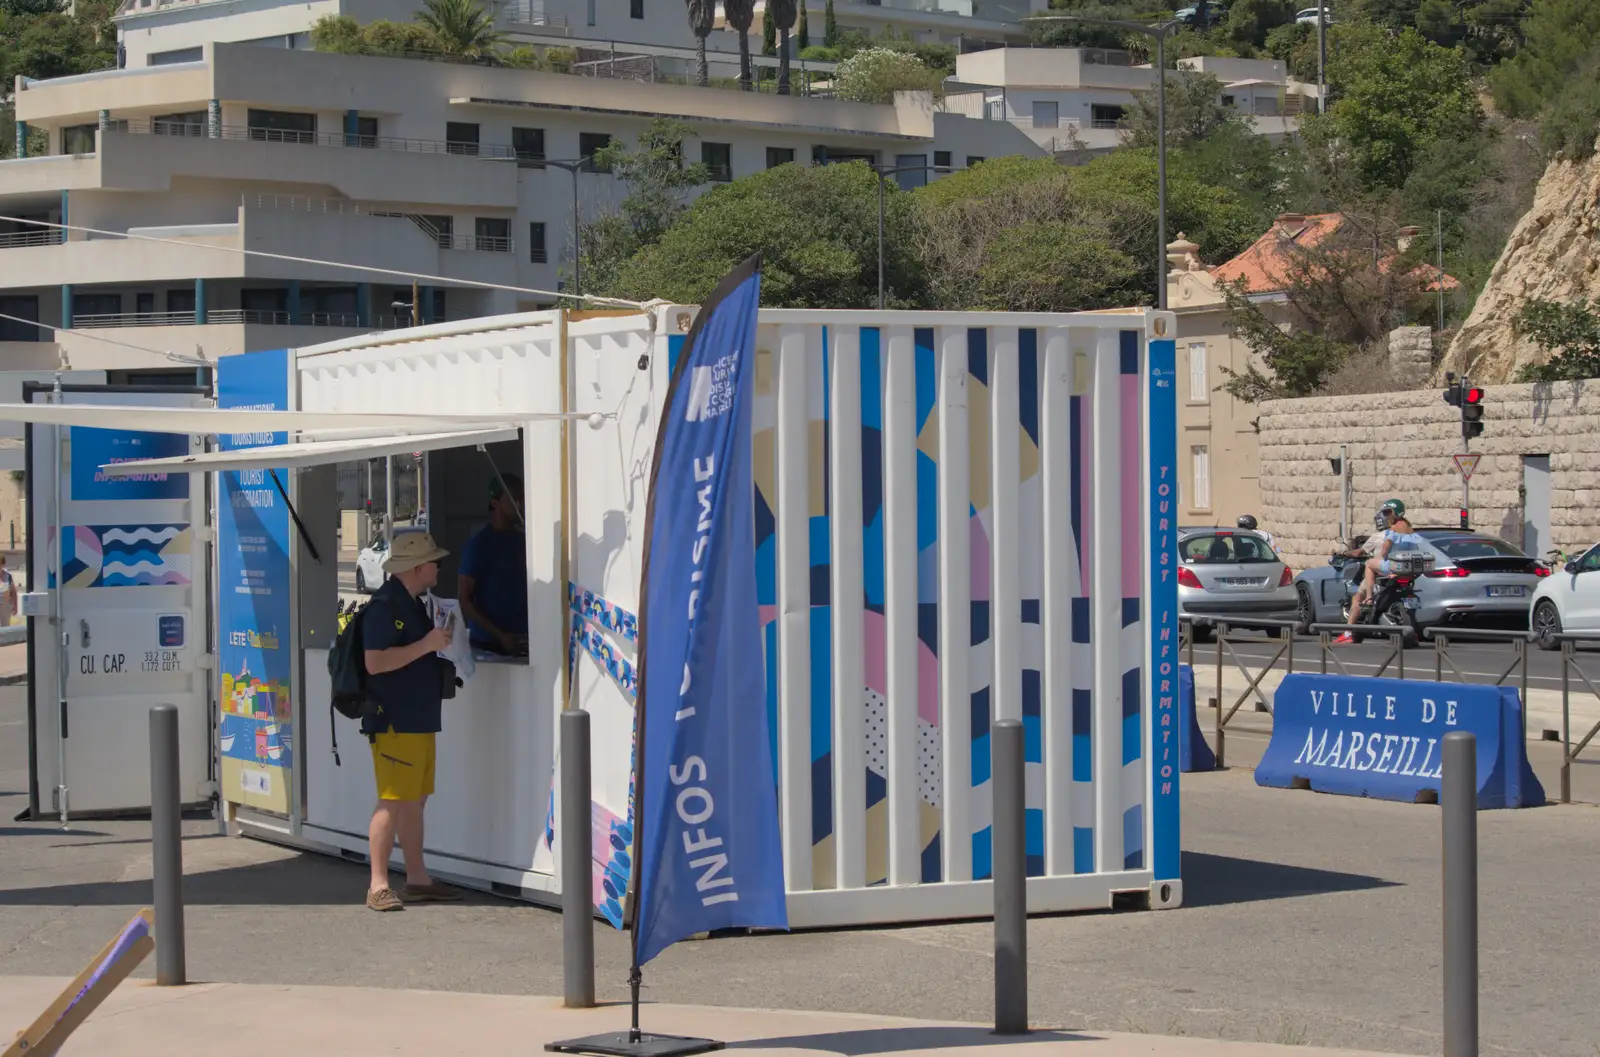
(577, 907)
(166, 845)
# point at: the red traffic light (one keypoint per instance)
(1474, 395)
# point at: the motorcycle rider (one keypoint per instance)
(1248, 523)
(1395, 535)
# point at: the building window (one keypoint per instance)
(1227, 100)
(181, 300)
(145, 304)
(189, 123)
(77, 139)
(167, 58)
(25, 306)
(279, 126)
(941, 159)
(366, 132)
(590, 144)
(1200, 459)
(461, 137)
(91, 306)
(1103, 115)
(777, 156)
(491, 234)
(439, 227)
(975, 159)
(911, 177)
(635, 8)
(438, 305)
(538, 249)
(1046, 114)
(718, 159)
(1198, 392)
(528, 145)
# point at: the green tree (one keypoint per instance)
(1082, 34)
(29, 8)
(1194, 112)
(816, 227)
(658, 184)
(1249, 21)
(830, 26)
(1340, 295)
(803, 34)
(1562, 43)
(461, 27)
(741, 15)
(1051, 266)
(52, 44)
(1569, 333)
(782, 13)
(876, 74)
(702, 18)
(1396, 97)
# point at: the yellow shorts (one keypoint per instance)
(403, 765)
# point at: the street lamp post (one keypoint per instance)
(573, 168)
(1159, 31)
(882, 172)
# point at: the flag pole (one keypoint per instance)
(634, 1042)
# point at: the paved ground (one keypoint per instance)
(1311, 920)
(141, 1020)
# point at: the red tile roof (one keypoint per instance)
(1263, 267)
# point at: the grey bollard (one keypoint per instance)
(1010, 879)
(1459, 806)
(577, 854)
(166, 845)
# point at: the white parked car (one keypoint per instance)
(1567, 600)
(1308, 16)
(369, 563)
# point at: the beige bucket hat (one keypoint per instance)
(411, 549)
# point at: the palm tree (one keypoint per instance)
(462, 27)
(702, 17)
(783, 12)
(741, 13)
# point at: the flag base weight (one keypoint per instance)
(627, 1044)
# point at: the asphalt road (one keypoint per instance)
(1477, 662)
(1309, 919)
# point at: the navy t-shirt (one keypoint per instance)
(498, 565)
(408, 699)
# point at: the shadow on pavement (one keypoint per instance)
(48, 831)
(1221, 880)
(900, 1040)
(305, 879)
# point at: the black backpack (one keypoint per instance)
(347, 673)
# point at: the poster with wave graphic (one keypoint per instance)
(125, 555)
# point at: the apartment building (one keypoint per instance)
(433, 168)
(1074, 99)
(653, 32)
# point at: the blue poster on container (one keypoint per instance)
(255, 650)
(709, 852)
(96, 448)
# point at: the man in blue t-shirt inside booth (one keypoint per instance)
(493, 581)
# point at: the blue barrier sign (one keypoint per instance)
(1193, 752)
(1384, 738)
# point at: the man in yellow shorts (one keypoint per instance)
(406, 682)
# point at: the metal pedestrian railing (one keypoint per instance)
(1569, 664)
(1284, 632)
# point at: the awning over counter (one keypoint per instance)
(216, 421)
(311, 453)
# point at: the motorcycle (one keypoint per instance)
(1394, 601)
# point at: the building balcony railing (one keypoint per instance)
(40, 237)
(296, 137)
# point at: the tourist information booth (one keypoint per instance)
(959, 517)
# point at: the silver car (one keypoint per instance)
(1475, 578)
(1231, 575)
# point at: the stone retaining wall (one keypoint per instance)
(1400, 444)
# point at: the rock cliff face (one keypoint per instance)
(1553, 254)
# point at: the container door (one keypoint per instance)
(123, 560)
